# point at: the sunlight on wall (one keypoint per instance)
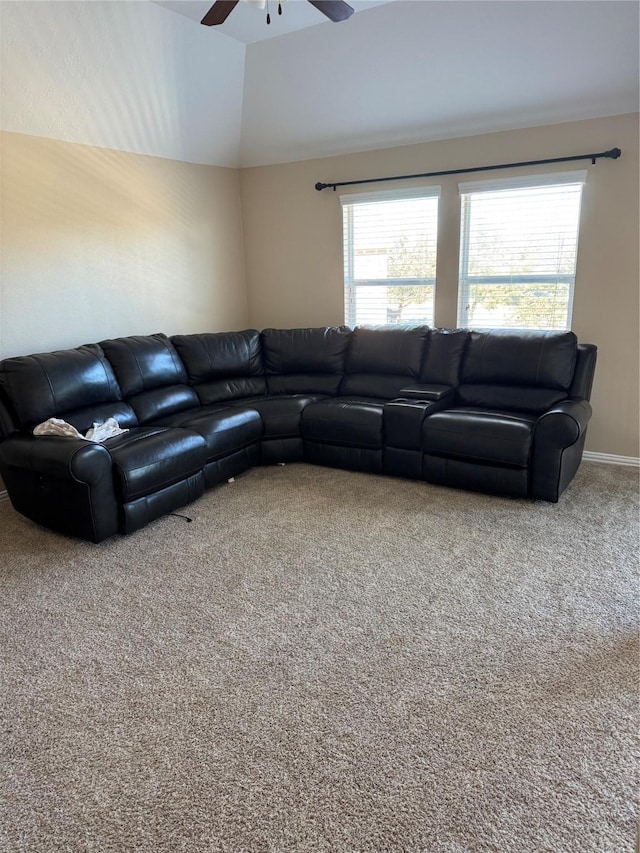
(97, 243)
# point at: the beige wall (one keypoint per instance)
(293, 244)
(99, 243)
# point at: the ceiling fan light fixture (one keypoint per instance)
(335, 10)
(262, 4)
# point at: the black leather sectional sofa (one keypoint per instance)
(501, 412)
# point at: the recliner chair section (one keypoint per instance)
(347, 431)
(76, 487)
(154, 381)
(489, 438)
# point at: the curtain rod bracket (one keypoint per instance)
(611, 154)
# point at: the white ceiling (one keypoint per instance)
(136, 76)
(122, 75)
(409, 72)
(248, 24)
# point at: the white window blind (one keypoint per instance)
(518, 251)
(390, 241)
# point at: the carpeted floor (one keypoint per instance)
(327, 661)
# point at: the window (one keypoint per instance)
(518, 249)
(390, 256)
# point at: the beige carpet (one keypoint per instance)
(327, 661)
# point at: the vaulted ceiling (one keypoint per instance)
(249, 25)
(138, 76)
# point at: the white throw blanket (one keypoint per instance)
(98, 432)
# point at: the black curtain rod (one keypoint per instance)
(613, 154)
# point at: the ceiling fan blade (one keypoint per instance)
(219, 12)
(335, 10)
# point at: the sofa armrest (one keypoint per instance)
(55, 455)
(62, 483)
(427, 393)
(558, 441)
(403, 419)
(563, 424)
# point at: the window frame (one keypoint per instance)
(466, 280)
(350, 283)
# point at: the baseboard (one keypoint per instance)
(4, 496)
(611, 459)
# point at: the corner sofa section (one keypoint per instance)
(503, 412)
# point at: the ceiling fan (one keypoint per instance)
(335, 10)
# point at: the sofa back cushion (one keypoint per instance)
(382, 360)
(305, 361)
(77, 385)
(151, 375)
(538, 359)
(442, 357)
(223, 365)
(525, 370)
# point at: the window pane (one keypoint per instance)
(390, 260)
(376, 304)
(518, 257)
(526, 306)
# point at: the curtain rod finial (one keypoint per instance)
(320, 186)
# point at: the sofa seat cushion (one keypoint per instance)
(147, 459)
(344, 422)
(361, 398)
(226, 430)
(281, 415)
(485, 436)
